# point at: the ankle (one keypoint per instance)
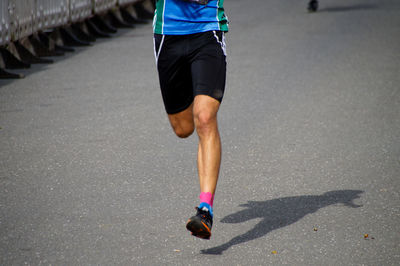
(207, 206)
(207, 197)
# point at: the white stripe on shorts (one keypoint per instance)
(222, 42)
(157, 54)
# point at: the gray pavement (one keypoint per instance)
(91, 173)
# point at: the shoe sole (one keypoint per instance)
(198, 229)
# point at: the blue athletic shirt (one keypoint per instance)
(180, 17)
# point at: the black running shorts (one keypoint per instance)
(190, 65)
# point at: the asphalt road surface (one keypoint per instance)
(91, 173)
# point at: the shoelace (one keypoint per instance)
(204, 215)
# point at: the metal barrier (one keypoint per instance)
(22, 18)
(23, 15)
(5, 21)
(100, 6)
(79, 10)
(51, 13)
(24, 39)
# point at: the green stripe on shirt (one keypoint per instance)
(159, 17)
(222, 19)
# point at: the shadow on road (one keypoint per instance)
(348, 8)
(278, 213)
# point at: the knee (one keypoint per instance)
(205, 122)
(183, 132)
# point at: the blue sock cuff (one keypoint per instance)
(204, 204)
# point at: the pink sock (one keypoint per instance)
(207, 197)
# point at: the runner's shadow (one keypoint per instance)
(278, 213)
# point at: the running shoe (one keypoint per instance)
(200, 224)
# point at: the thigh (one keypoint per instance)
(208, 67)
(173, 72)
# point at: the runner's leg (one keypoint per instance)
(205, 111)
(202, 115)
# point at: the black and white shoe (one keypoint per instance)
(200, 224)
